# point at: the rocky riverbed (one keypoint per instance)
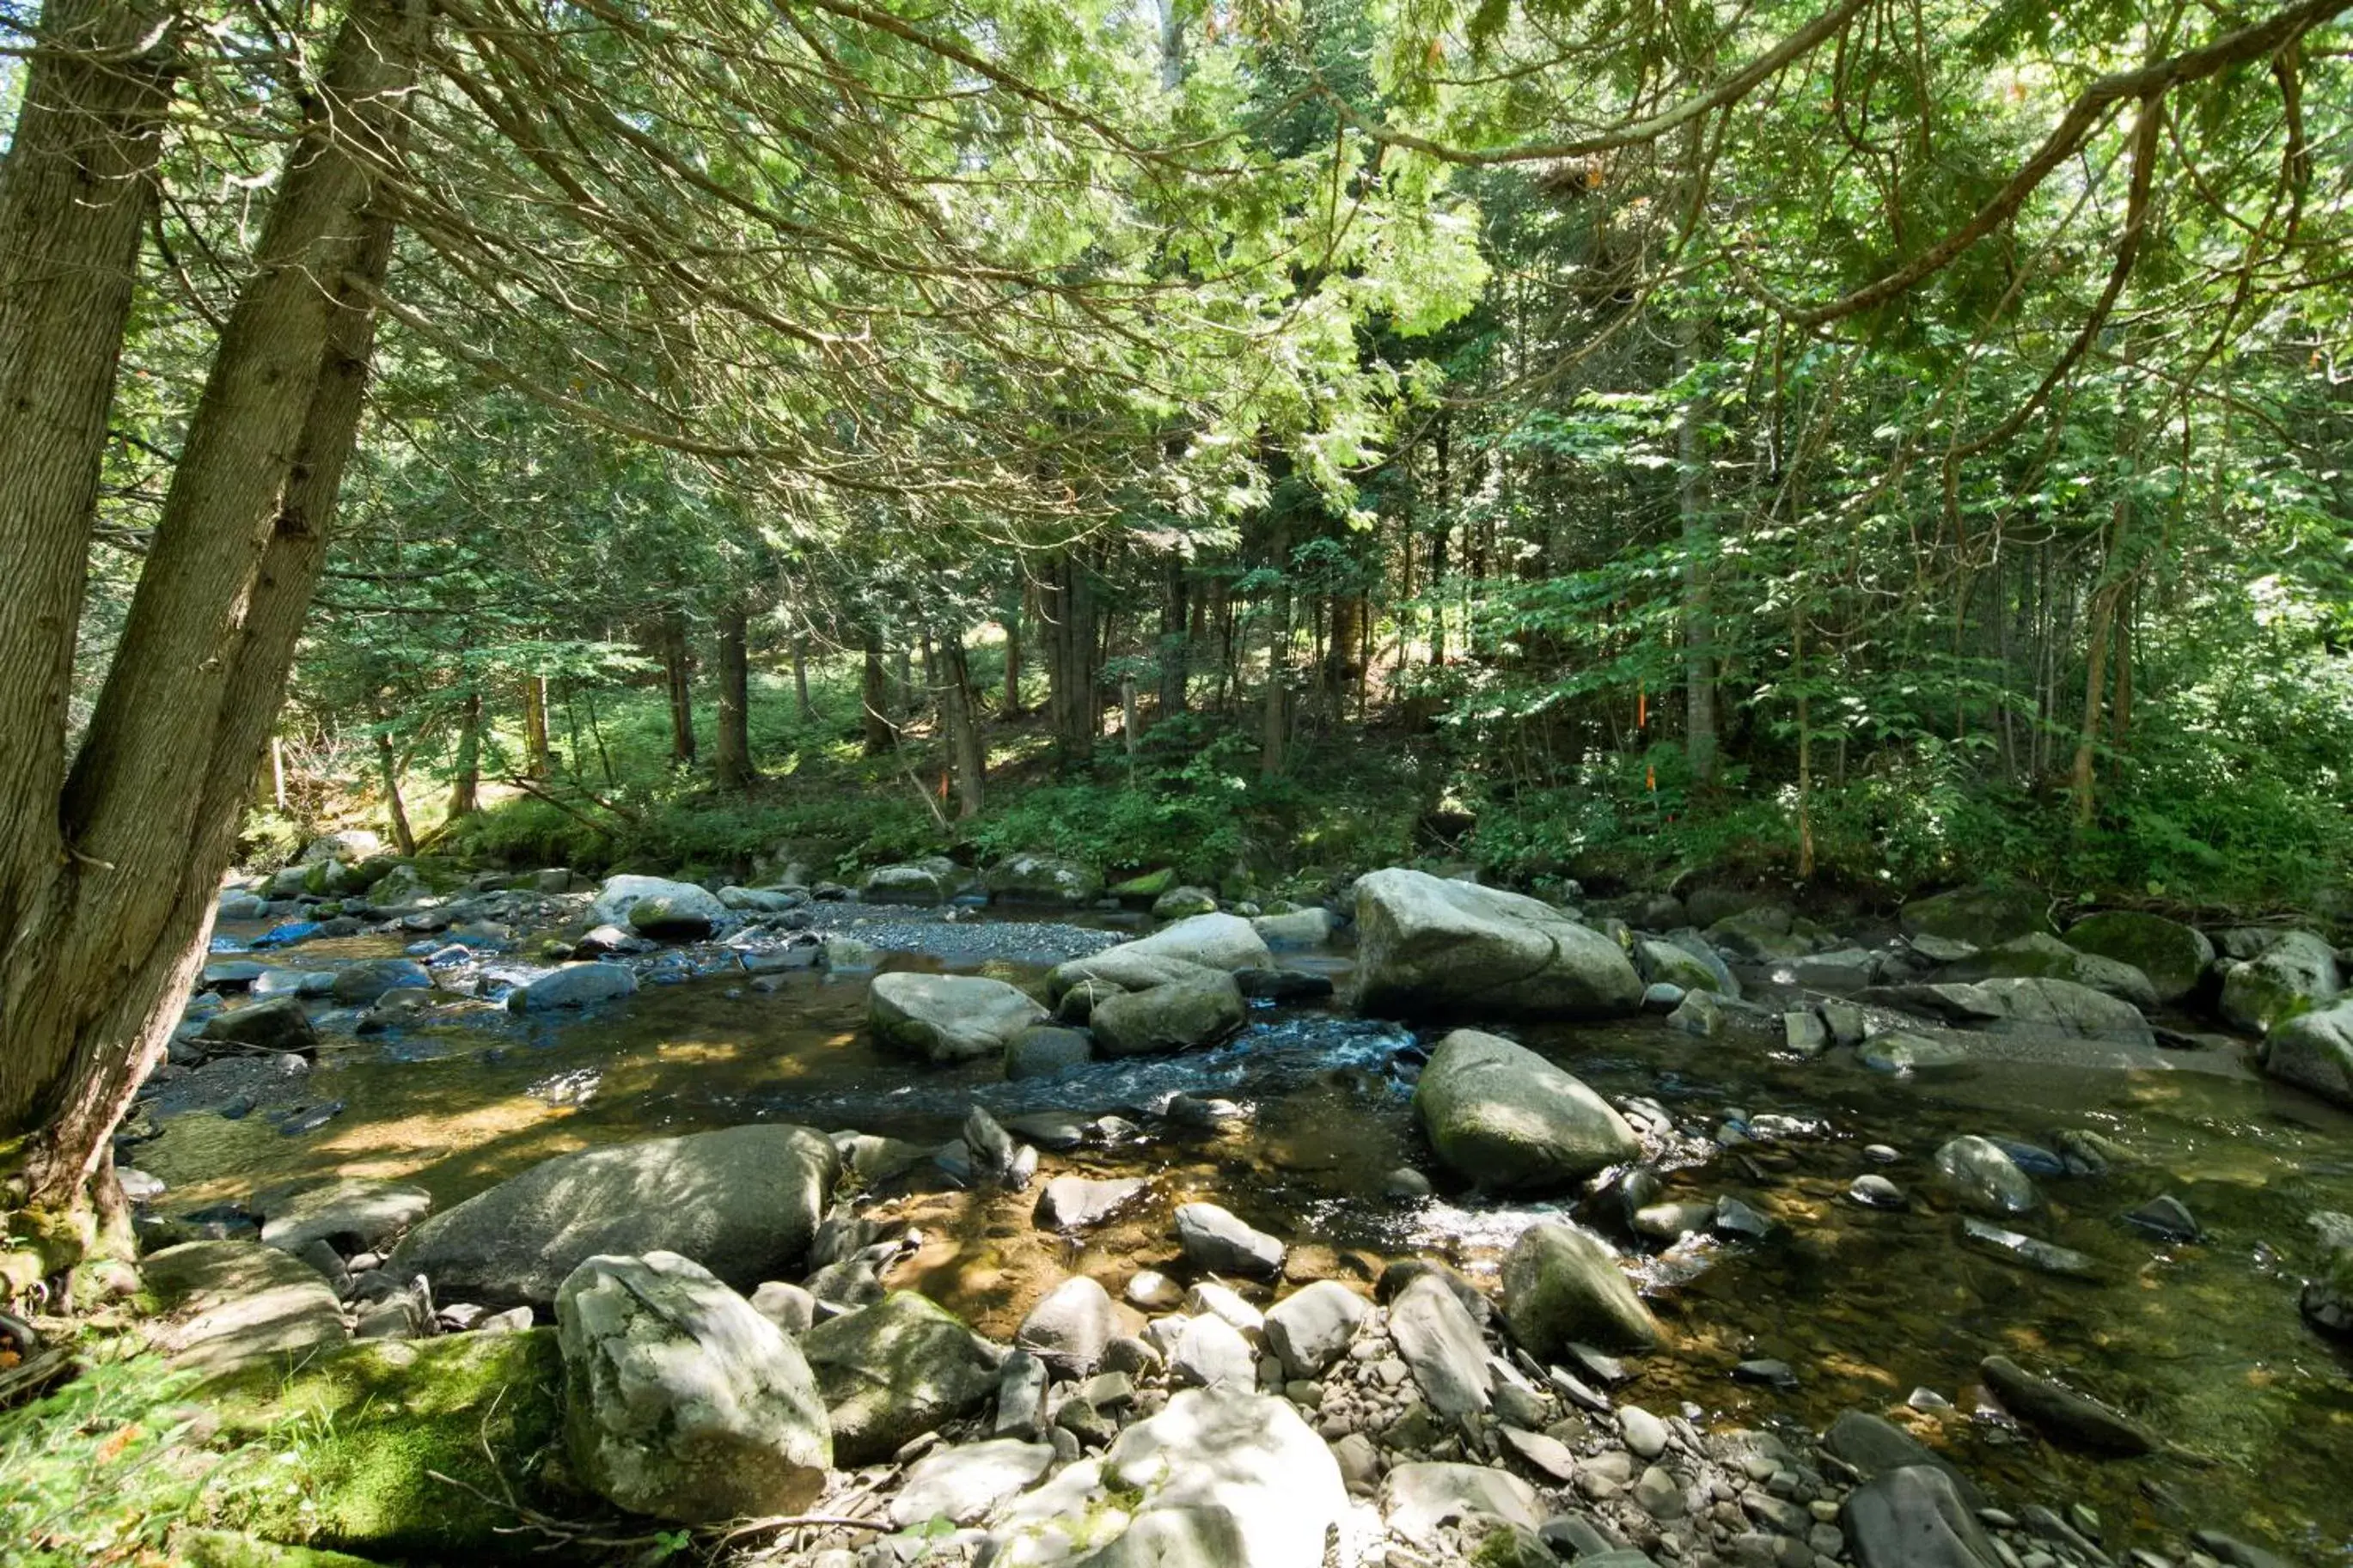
(1700, 1234)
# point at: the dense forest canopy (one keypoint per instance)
(1873, 441)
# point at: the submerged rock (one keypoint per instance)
(1981, 1174)
(1430, 947)
(573, 985)
(1177, 1017)
(277, 1024)
(1504, 1117)
(743, 1202)
(2059, 1412)
(1562, 1285)
(2044, 1257)
(949, 1017)
(1047, 1051)
(680, 1400)
(1074, 1203)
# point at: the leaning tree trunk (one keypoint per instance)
(466, 786)
(74, 191)
(731, 751)
(99, 960)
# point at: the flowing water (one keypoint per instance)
(2203, 1340)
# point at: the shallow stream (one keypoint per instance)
(2202, 1341)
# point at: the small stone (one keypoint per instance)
(1734, 1217)
(1877, 1191)
(1218, 1241)
(1657, 1494)
(1152, 1290)
(1539, 1452)
(1773, 1373)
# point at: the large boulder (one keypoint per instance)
(1214, 941)
(891, 1372)
(743, 1202)
(352, 1214)
(573, 986)
(1123, 968)
(1043, 880)
(1428, 947)
(2295, 973)
(1505, 1117)
(2175, 957)
(926, 881)
(681, 1402)
(1440, 1344)
(949, 1017)
(1226, 1478)
(2019, 1005)
(348, 846)
(1562, 1284)
(681, 907)
(1199, 1010)
(1982, 916)
(2314, 1051)
(229, 1305)
(1686, 961)
(2039, 955)
(277, 1024)
(357, 985)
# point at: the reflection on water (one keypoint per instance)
(2204, 1339)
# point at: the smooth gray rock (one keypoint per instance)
(1313, 1327)
(1440, 1342)
(1218, 1241)
(949, 1017)
(1224, 1478)
(1209, 1351)
(2021, 1005)
(1184, 1014)
(1504, 1117)
(743, 1202)
(1562, 1285)
(675, 909)
(1912, 1517)
(2290, 972)
(1070, 1326)
(228, 1305)
(2042, 955)
(573, 985)
(1981, 1174)
(1212, 941)
(1032, 879)
(1074, 1203)
(357, 985)
(1902, 1054)
(2314, 1051)
(963, 1484)
(1874, 1445)
(1429, 947)
(787, 1305)
(351, 1214)
(278, 1025)
(894, 1371)
(1182, 903)
(1421, 1497)
(1296, 929)
(680, 1400)
(928, 882)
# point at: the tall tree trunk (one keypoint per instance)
(731, 751)
(395, 811)
(1275, 720)
(1073, 673)
(677, 680)
(1699, 565)
(74, 191)
(960, 707)
(800, 678)
(536, 761)
(101, 954)
(1011, 621)
(1174, 671)
(465, 786)
(874, 699)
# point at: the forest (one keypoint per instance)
(1827, 501)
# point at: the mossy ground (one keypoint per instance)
(363, 1429)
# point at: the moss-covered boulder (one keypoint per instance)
(896, 1369)
(2174, 956)
(2295, 974)
(232, 1549)
(1982, 916)
(1142, 889)
(2040, 957)
(371, 1422)
(1043, 880)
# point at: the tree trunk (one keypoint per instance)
(677, 677)
(1011, 707)
(960, 708)
(103, 954)
(800, 678)
(1699, 562)
(75, 189)
(874, 699)
(1073, 672)
(536, 763)
(387, 765)
(1172, 665)
(465, 788)
(731, 752)
(1274, 720)
(277, 773)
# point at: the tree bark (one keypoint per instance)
(731, 753)
(465, 788)
(1011, 707)
(395, 811)
(961, 709)
(536, 761)
(874, 699)
(1699, 552)
(75, 189)
(678, 677)
(800, 678)
(95, 975)
(1275, 720)
(1174, 664)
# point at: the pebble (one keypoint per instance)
(1657, 1494)
(1883, 1153)
(1877, 1191)
(1774, 1374)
